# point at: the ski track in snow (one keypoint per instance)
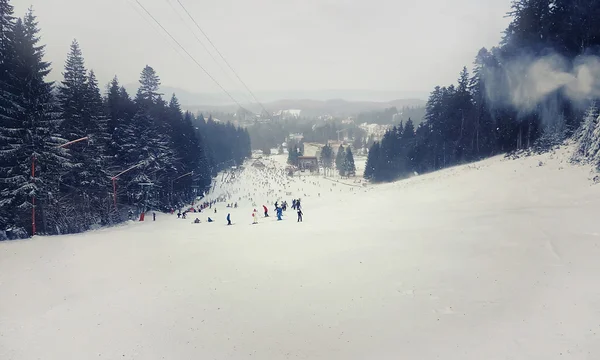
(492, 260)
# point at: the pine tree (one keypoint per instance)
(327, 157)
(114, 109)
(349, 166)
(8, 104)
(372, 162)
(72, 95)
(8, 94)
(149, 85)
(83, 116)
(482, 133)
(153, 145)
(409, 143)
(339, 159)
(120, 110)
(30, 162)
(98, 185)
(587, 145)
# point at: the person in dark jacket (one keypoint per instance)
(300, 215)
(279, 213)
(228, 219)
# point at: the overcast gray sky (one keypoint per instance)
(407, 45)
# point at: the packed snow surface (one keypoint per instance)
(494, 260)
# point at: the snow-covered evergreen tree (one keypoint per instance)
(587, 142)
(120, 110)
(148, 140)
(339, 159)
(593, 149)
(87, 184)
(327, 157)
(349, 168)
(8, 105)
(148, 91)
(72, 95)
(372, 161)
(30, 161)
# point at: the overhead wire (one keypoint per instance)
(203, 46)
(190, 55)
(153, 26)
(221, 55)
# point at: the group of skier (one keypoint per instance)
(279, 209)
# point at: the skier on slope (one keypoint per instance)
(254, 217)
(300, 215)
(279, 213)
(266, 211)
(228, 219)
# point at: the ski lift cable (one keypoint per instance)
(222, 57)
(205, 48)
(153, 26)
(189, 55)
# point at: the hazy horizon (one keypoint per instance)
(376, 46)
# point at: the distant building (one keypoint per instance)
(375, 130)
(287, 114)
(310, 163)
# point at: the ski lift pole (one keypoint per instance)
(114, 181)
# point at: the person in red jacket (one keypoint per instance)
(266, 211)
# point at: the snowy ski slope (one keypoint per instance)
(494, 260)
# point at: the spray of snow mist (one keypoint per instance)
(533, 83)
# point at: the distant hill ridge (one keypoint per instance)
(309, 105)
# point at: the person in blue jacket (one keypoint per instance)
(279, 213)
(228, 219)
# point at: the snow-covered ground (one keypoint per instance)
(494, 260)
